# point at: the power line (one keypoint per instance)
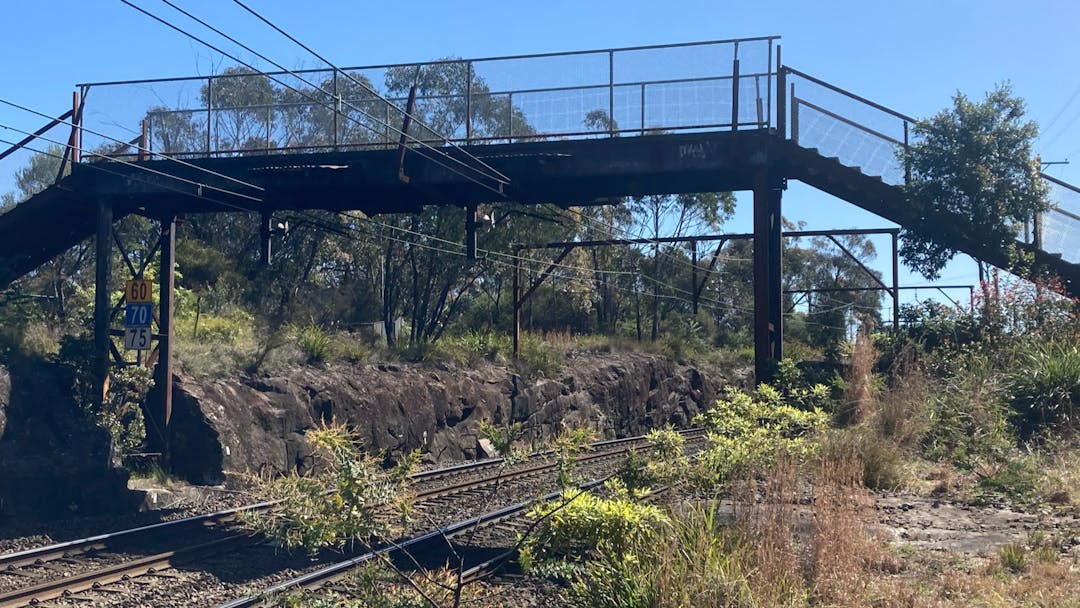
(357, 82)
(143, 168)
(319, 102)
(97, 167)
(125, 143)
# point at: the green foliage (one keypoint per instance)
(567, 445)
(974, 172)
(583, 522)
(1044, 388)
(475, 346)
(1013, 558)
(121, 413)
(502, 437)
(1013, 479)
(538, 358)
(345, 501)
(747, 431)
(968, 414)
(790, 386)
(315, 342)
(693, 559)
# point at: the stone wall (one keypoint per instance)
(53, 458)
(258, 424)
(5, 397)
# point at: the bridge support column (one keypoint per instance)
(161, 410)
(266, 231)
(768, 304)
(102, 306)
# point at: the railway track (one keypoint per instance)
(67, 570)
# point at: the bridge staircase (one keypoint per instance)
(852, 148)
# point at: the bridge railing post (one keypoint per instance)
(209, 114)
(468, 102)
(611, 93)
(781, 96)
(735, 95)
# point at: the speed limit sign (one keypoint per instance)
(137, 338)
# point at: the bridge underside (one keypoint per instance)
(569, 172)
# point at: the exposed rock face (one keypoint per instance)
(5, 396)
(259, 424)
(53, 460)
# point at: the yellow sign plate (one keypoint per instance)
(138, 291)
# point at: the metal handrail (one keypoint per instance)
(846, 93)
(729, 41)
(797, 101)
(420, 98)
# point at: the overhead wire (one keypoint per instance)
(356, 81)
(315, 100)
(536, 263)
(125, 143)
(142, 168)
(98, 167)
(232, 39)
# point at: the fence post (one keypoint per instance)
(643, 108)
(337, 111)
(510, 117)
(907, 160)
(611, 93)
(209, 113)
(468, 103)
(781, 96)
(735, 93)
(794, 116)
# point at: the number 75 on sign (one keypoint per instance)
(137, 338)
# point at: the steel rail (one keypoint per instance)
(40, 555)
(92, 579)
(342, 569)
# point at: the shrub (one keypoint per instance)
(308, 516)
(538, 359)
(583, 522)
(968, 416)
(1044, 388)
(314, 342)
(747, 431)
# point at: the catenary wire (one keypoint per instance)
(142, 168)
(326, 105)
(98, 167)
(120, 141)
(357, 82)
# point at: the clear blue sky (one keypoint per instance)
(911, 56)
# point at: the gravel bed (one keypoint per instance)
(195, 500)
(216, 579)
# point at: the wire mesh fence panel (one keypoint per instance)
(695, 104)
(1061, 225)
(852, 145)
(839, 124)
(577, 94)
(545, 113)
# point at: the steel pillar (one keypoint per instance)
(517, 303)
(161, 410)
(102, 306)
(895, 282)
(470, 232)
(266, 231)
(768, 304)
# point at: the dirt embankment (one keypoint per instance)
(259, 423)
